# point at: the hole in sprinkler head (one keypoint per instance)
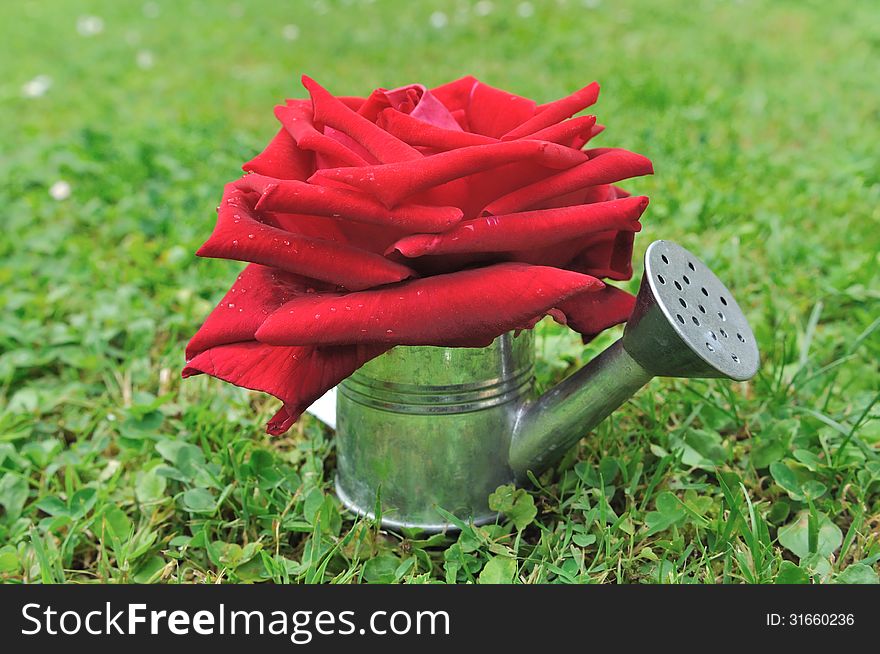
(705, 292)
(691, 266)
(686, 280)
(660, 279)
(683, 303)
(709, 346)
(702, 308)
(740, 337)
(723, 300)
(734, 357)
(712, 334)
(723, 333)
(680, 319)
(677, 285)
(696, 320)
(721, 315)
(665, 260)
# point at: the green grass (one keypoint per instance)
(762, 121)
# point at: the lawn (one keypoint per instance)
(120, 123)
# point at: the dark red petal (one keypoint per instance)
(606, 255)
(300, 197)
(460, 117)
(530, 229)
(297, 120)
(307, 225)
(581, 140)
(295, 375)
(462, 306)
(331, 112)
(592, 313)
(567, 131)
(418, 133)
(352, 102)
(553, 112)
(391, 183)
(494, 112)
(604, 166)
(257, 292)
(238, 235)
(283, 159)
(456, 95)
(376, 102)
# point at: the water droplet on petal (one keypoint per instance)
(250, 236)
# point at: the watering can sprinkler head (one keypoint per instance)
(685, 324)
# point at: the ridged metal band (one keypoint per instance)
(433, 400)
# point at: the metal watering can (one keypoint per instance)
(425, 427)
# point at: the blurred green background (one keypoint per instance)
(121, 121)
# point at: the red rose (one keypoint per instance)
(423, 217)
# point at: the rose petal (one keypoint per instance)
(382, 145)
(567, 131)
(391, 183)
(373, 238)
(592, 313)
(238, 235)
(257, 292)
(300, 197)
(296, 375)
(417, 133)
(581, 140)
(456, 95)
(403, 98)
(603, 254)
(606, 255)
(283, 159)
(603, 167)
(462, 306)
(297, 120)
(431, 111)
(553, 112)
(530, 229)
(494, 112)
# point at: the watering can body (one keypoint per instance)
(425, 427)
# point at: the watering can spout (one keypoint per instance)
(685, 324)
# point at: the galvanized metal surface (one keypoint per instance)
(549, 426)
(686, 322)
(421, 427)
